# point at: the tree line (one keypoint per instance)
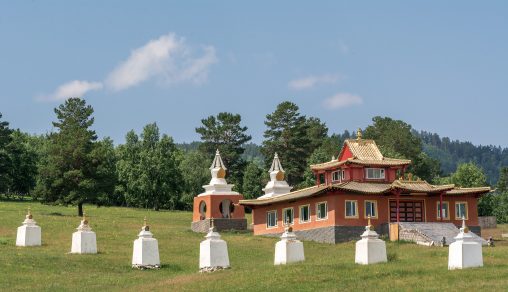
(71, 166)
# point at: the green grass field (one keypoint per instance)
(327, 267)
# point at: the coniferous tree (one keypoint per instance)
(286, 134)
(225, 132)
(67, 176)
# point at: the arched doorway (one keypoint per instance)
(202, 210)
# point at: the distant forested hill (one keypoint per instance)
(451, 153)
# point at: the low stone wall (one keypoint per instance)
(220, 224)
(333, 234)
(487, 221)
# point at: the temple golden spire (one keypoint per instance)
(359, 134)
(29, 213)
(85, 221)
(464, 227)
(369, 225)
(145, 225)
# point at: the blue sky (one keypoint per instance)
(442, 67)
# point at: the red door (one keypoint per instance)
(409, 211)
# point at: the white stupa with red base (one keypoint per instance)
(465, 251)
(370, 249)
(145, 254)
(288, 249)
(218, 201)
(29, 234)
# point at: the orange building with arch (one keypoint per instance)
(218, 202)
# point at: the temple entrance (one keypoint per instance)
(409, 211)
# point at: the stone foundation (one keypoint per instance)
(220, 224)
(334, 234)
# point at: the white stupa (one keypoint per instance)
(213, 252)
(277, 185)
(29, 234)
(466, 251)
(370, 249)
(145, 254)
(288, 249)
(84, 240)
(218, 184)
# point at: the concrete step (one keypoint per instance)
(431, 233)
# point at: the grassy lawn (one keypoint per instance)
(327, 267)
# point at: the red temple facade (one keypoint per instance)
(359, 184)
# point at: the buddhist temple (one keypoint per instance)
(360, 183)
(218, 202)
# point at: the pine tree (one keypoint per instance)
(225, 132)
(67, 176)
(286, 134)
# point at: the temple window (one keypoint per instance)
(461, 210)
(287, 216)
(304, 213)
(371, 209)
(336, 175)
(374, 173)
(446, 214)
(351, 209)
(271, 219)
(322, 211)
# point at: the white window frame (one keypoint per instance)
(374, 202)
(466, 210)
(300, 220)
(382, 174)
(318, 213)
(292, 216)
(267, 221)
(336, 173)
(356, 209)
(343, 174)
(447, 214)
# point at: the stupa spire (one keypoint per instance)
(218, 183)
(277, 185)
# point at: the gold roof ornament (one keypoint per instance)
(359, 134)
(85, 221)
(464, 227)
(221, 173)
(145, 225)
(29, 213)
(369, 225)
(410, 177)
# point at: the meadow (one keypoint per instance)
(327, 267)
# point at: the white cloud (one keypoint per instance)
(341, 100)
(311, 81)
(167, 58)
(75, 88)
